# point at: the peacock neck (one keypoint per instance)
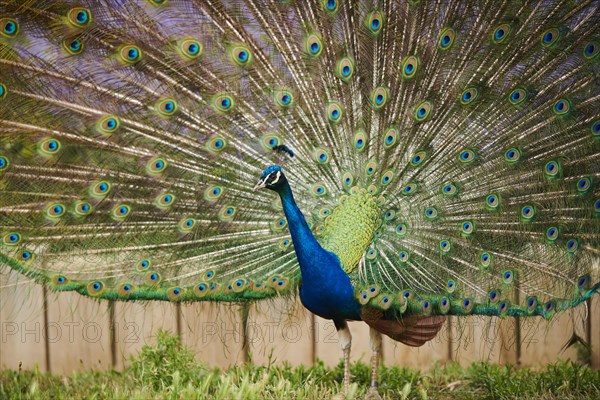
(305, 244)
(319, 268)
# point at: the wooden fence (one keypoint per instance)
(63, 332)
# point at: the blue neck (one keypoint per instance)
(326, 289)
(305, 244)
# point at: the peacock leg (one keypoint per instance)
(376, 349)
(345, 339)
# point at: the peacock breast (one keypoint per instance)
(350, 228)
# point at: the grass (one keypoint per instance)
(169, 371)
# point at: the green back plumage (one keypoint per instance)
(132, 134)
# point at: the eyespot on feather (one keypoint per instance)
(4, 163)
(216, 144)
(189, 49)
(108, 125)
(467, 156)
(48, 147)
(79, 17)
(402, 230)
(279, 224)
(156, 166)
(213, 193)
(153, 278)
(512, 155)
(54, 211)
(584, 185)
(130, 54)
(313, 45)
(164, 201)
(485, 260)
(379, 97)
(372, 291)
(469, 96)
(552, 169)
(208, 275)
(223, 102)
(227, 213)
(95, 288)
(143, 265)
(445, 246)
(73, 46)
(371, 168)
(431, 213)
(410, 67)
(12, 239)
(572, 246)
(166, 107)
(240, 54)
(501, 33)
(99, 189)
(158, 3)
(345, 68)
(175, 293)
(550, 37)
(418, 158)
(467, 228)
(390, 136)
(283, 98)
(59, 280)
(591, 50)
(82, 208)
(518, 96)
(374, 22)
(318, 189)
(446, 39)
(330, 6)
(120, 212)
(360, 141)
(422, 111)
(321, 156)
(562, 107)
(410, 188)
(334, 112)
(528, 212)
(25, 256)
(450, 189)
(125, 289)
(9, 27)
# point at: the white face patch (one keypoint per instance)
(276, 179)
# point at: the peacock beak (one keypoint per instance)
(261, 184)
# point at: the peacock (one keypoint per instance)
(415, 159)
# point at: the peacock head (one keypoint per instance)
(271, 178)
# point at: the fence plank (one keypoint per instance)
(78, 333)
(477, 339)
(542, 341)
(594, 314)
(214, 332)
(136, 325)
(22, 333)
(281, 331)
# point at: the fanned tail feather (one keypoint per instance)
(132, 133)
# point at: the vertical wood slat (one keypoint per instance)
(594, 315)
(136, 325)
(78, 333)
(281, 331)
(22, 328)
(99, 336)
